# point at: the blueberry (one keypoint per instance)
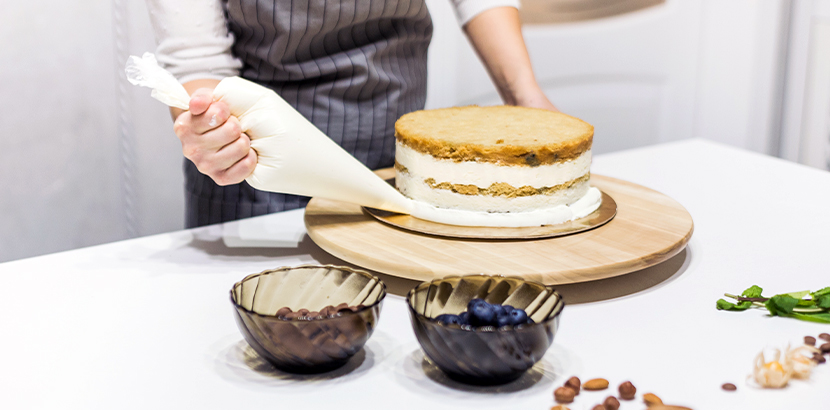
(499, 309)
(482, 314)
(448, 319)
(475, 302)
(518, 317)
(504, 320)
(508, 308)
(464, 317)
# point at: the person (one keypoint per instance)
(351, 67)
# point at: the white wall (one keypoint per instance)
(60, 154)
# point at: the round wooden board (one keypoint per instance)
(649, 228)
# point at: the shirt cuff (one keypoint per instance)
(189, 59)
(465, 10)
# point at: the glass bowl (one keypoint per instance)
(484, 355)
(307, 345)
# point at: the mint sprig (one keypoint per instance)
(804, 305)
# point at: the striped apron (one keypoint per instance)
(351, 67)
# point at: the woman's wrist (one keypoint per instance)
(527, 94)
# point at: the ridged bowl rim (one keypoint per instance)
(559, 307)
(307, 266)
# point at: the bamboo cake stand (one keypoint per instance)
(649, 228)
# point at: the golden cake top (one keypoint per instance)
(499, 134)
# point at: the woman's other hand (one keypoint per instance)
(212, 139)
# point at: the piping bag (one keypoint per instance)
(293, 156)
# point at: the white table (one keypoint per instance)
(147, 323)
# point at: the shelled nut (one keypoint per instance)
(564, 395)
(651, 399)
(611, 403)
(595, 384)
(627, 391)
(574, 384)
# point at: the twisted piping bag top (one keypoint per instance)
(294, 156)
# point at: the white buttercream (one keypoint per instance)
(549, 216)
(484, 174)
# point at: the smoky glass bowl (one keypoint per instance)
(305, 345)
(484, 355)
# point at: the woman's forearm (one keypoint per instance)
(496, 35)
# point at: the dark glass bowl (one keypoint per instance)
(307, 345)
(484, 355)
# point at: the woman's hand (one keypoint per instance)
(212, 139)
(533, 97)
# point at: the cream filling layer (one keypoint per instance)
(484, 174)
(583, 207)
(416, 188)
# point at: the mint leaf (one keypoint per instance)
(781, 305)
(726, 305)
(753, 292)
(797, 295)
(810, 317)
(823, 301)
(821, 292)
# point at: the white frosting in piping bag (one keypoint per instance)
(295, 157)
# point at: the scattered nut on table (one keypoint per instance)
(667, 407)
(560, 407)
(595, 384)
(651, 399)
(627, 391)
(564, 395)
(599, 407)
(809, 340)
(729, 387)
(611, 403)
(824, 336)
(574, 384)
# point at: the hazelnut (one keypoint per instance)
(651, 399)
(341, 307)
(564, 395)
(599, 407)
(595, 384)
(729, 387)
(282, 312)
(560, 407)
(825, 348)
(809, 340)
(574, 384)
(327, 311)
(611, 403)
(824, 336)
(627, 391)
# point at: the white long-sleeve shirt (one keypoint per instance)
(194, 41)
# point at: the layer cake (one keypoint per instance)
(499, 159)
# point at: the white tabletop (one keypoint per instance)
(147, 323)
